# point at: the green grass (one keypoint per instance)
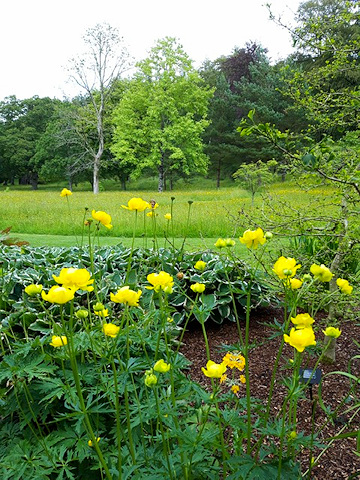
(214, 213)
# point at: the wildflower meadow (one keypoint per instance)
(93, 381)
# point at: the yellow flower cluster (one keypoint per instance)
(234, 360)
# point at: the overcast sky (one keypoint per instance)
(38, 37)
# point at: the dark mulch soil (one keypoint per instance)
(340, 461)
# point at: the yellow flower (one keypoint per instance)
(220, 243)
(126, 296)
(57, 341)
(200, 265)
(167, 216)
(285, 267)
(229, 242)
(58, 295)
(160, 281)
(295, 283)
(332, 332)
(223, 378)
(110, 329)
(103, 218)
(162, 367)
(75, 279)
(252, 238)
(90, 443)
(136, 204)
(197, 287)
(234, 360)
(321, 272)
(300, 339)
(65, 193)
(150, 214)
(214, 370)
(292, 435)
(150, 379)
(102, 313)
(235, 389)
(33, 289)
(344, 286)
(242, 379)
(303, 320)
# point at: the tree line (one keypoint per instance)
(172, 120)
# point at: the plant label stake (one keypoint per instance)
(311, 377)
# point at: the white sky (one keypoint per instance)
(38, 37)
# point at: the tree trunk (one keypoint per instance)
(161, 174)
(34, 180)
(218, 173)
(123, 184)
(96, 170)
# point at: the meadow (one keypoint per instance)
(33, 215)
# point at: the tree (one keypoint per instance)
(160, 119)
(255, 176)
(326, 68)
(22, 124)
(245, 80)
(95, 73)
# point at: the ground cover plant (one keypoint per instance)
(93, 381)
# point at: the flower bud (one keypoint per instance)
(82, 313)
(98, 307)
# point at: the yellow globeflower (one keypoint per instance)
(162, 367)
(214, 370)
(75, 278)
(285, 267)
(160, 281)
(102, 217)
(253, 238)
(102, 313)
(300, 339)
(65, 192)
(332, 332)
(126, 296)
(200, 265)
(110, 329)
(57, 341)
(58, 295)
(302, 320)
(33, 289)
(343, 285)
(321, 272)
(220, 243)
(150, 379)
(295, 283)
(136, 204)
(197, 287)
(229, 242)
(167, 216)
